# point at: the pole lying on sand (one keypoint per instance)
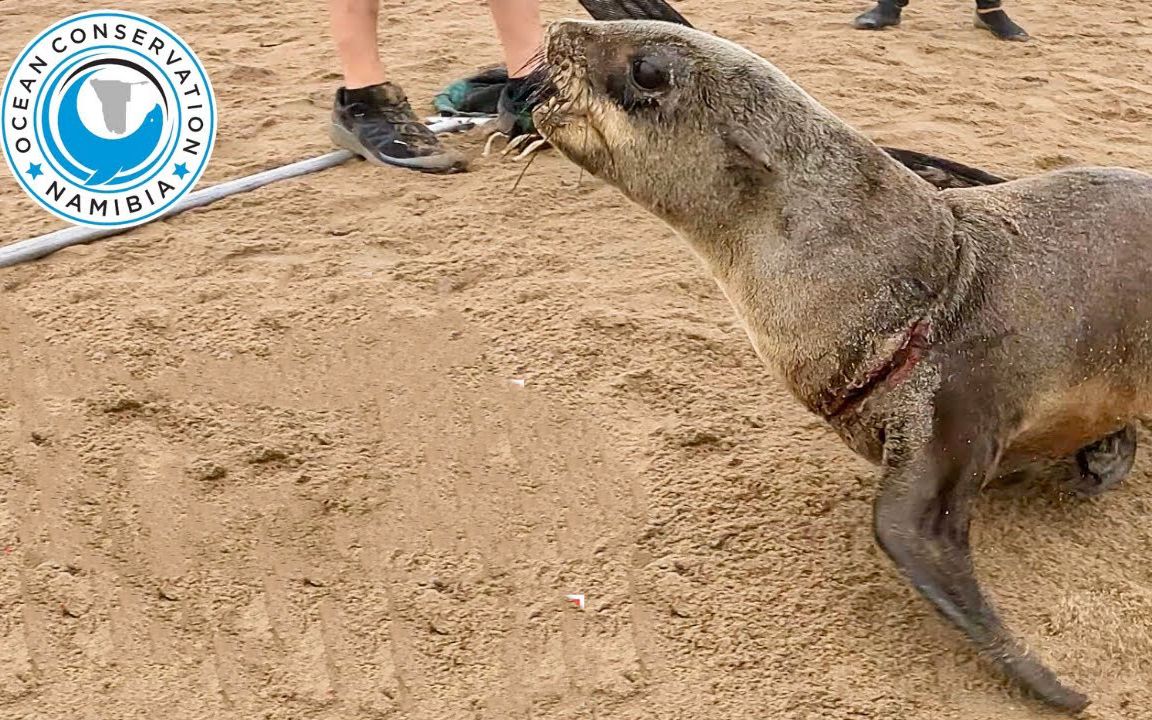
(38, 247)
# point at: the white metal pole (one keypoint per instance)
(38, 247)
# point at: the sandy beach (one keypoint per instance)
(269, 459)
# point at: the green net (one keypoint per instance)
(474, 95)
(480, 93)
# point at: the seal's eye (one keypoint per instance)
(651, 73)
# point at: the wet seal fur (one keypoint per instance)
(947, 335)
(941, 172)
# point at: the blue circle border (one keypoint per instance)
(160, 28)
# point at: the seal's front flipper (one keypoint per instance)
(922, 517)
(942, 172)
(1106, 462)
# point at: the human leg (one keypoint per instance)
(371, 116)
(518, 27)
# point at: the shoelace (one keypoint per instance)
(400, 117)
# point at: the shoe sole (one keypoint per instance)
(442, 165)
(979, 24)
(866, 26)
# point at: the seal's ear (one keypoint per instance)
(744, 142)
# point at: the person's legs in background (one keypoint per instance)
(886, 13)
(371, 116)
(354, 28)
(989, 16)
(520, 32)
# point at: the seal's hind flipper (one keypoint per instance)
(634, 10)
(942, 172)
(1106, 462)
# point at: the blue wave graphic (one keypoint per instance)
(102, 158)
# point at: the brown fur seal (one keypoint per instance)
(946, 335)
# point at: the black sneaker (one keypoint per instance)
(377, 123)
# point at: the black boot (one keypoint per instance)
(514, 107)
(885, 14)
(991, 17)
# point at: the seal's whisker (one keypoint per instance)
(532, 148)
(580, 177)
(540, 78)
(533, 62)
(516, 142)
(492, 139)
(523, 170)
(538, 58)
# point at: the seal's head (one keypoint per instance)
(680, 121)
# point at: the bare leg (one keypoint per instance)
(521, 35)
(519, 28)
(354, 30)
(371, 116)
(922, 517)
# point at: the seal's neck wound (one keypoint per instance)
(890, 370)
(811, 230)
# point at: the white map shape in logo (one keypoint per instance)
(115, 100)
